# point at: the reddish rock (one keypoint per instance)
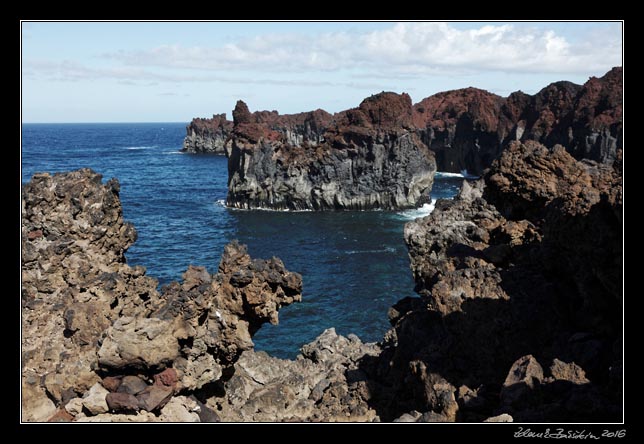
(112, 383)
(34, 234)
(241, 114)
(154, 397)
(122, 402)
(167, 378)
(468, 128)
(61, 415)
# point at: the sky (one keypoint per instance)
(174, 71)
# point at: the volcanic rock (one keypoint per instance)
(370, 158)
(510, 273)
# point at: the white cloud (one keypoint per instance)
(403, 48)
(70, 71)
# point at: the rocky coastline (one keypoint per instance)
(207, 136)
(466, 129)
(518, 316)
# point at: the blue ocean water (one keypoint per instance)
(354, 264)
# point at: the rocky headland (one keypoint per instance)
(207, 136)
(369, 158)
(382, 154)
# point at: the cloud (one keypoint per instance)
(403, 49)
(71, 71)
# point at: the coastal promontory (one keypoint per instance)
(370, 157)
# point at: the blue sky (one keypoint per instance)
(173, 71)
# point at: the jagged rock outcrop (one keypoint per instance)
(520, 307)
(462, 127)
(88, 319)
(211, 135)
(370, 158)
(324, 383)
(207, 135)
(468, 128)
(299, 161)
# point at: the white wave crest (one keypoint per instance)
(463, 175)
(441, 175)
(140, 147)
(222, 203)
(423, 211)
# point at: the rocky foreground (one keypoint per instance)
(519, 316)
(466, 128)
(100, 343)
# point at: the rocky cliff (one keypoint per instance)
(468, 128)
(207, 135)
(520, 302)
(370, 157)
(211, 135)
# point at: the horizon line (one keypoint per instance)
(101, 122)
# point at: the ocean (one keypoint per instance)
(354, 265)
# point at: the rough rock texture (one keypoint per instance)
(519, 316)
(323, 384)
(207, 135)
(462, 127)
(468, 128)
(518, 274)
(88, 319)
(211, 135)
(369, 158)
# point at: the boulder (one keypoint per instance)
(95, 400)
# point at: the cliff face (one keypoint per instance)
(520, 298)
(211, 135)
(468, 128)
(369, 158)
(207, 135)
(461, 127)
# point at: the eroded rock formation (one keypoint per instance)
(207, 135)
(89, 320)
(520, 298)
(370, 158)
(468, 128)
